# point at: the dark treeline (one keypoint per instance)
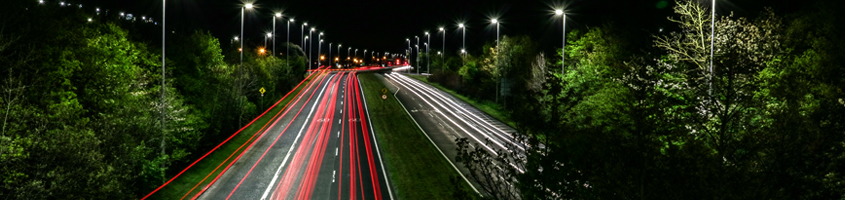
(631, 121)
(81, 101)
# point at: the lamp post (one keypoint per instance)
(266, 37)
(496, 21)
(310, 46)
(347, 55)
(287, 46)
(305, 48)
(563, 42)
(356, 54)
(330, 53)
(319, 48)
(163, 91)
(427, 57)
(302, 34)
(319, 53)
(444, 42)
(464, 45)
(278, 15)
(712, 38)
(418, 58)
(418, 54)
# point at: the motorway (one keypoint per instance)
(445, 118)
(321, 147)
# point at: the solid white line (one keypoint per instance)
(373, 135)
(276, 176)
(435, 146)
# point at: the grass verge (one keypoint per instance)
(180, 186)
(415, 167)
(488, 107)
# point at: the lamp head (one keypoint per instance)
(495, 21)
(278, 14)
(558, 12)
(291, 20)
(248, 6)
(461, 25)
(441, 28)
(269, 35)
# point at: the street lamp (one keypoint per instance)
(363, 58)
(496, 21)
(464, 45)
(418, 54)
(712, 38)
(319, 51)
(319, 47)
(278, 15)
(330, 53)
(163, 71)
(287, 45)
(444, 41)
(427, 57)
(302, 34)
(310, 46)
(347, 55)
(563, 43)
(267, 36)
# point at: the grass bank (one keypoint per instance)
(488, 107)
(182, 185)
(416, 168)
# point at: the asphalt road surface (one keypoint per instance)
(321, 147)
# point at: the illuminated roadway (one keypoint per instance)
(322, 147)
(445, 118)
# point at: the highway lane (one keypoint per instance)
(321, 148)
(446, 118)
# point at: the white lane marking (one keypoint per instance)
(335, 151)
(276, 176)
(338, 134)
(339, 120)
(333, 172)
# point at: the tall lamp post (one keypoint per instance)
(712, 38)
(444, 41)
(464, 45)
(319, 48)
(163, 114)
(278, 15)
(496, 21)
(563, 42)
(330, 53)
(302, 34)
(310, 46)
(347, 55)
(427, 57)
(418, 54)
(287, 46)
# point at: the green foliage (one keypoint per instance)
(81, 104)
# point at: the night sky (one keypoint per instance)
(383, 25)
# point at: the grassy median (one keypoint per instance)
(488, 107)
(182, 185)
(416, 168)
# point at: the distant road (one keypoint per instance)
(322, 147)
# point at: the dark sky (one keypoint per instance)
(383, 25)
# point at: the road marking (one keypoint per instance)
(333, 173)
(335, 151)
(276, 176)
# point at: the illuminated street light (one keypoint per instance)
(464, 45)
(287, 46)
(278, 16)
(319, 48)
(563, 43)
(89, 19)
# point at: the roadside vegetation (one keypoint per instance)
(416, 168)
(81, 102)
(628, 119)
